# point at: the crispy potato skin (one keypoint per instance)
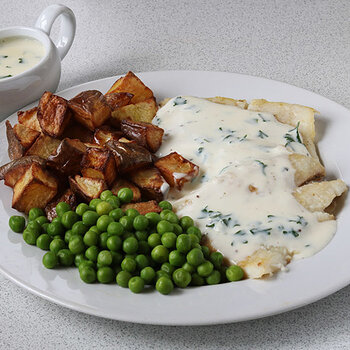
(75, 130)
(67, 157)
(129, 156)
(145, 134)
(144, 207)
(34, 189)
(105, 133)
(132, 84)
(68, 197)
(122, 183)
(15, 149)
(29, 119)
(151, 183)
(53, 114)
(176, 169)
(118, 99)
(87, 188)
(99, 164)
(90, 108)
(43, 146)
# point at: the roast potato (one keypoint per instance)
(143, 207)
(118, 99)
(43, 146)
(68, 197)
(122, 183)
(86, 187)
(29, 118)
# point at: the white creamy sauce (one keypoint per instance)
(18, 54)
(242, 198)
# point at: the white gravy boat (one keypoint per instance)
(26, 87)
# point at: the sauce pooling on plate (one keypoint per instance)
(18, 54)
(243, 197)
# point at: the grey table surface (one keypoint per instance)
(304, 43)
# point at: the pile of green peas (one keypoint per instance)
(108, 244)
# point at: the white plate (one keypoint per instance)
(307, 280)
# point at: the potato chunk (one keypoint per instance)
(43, 146)
(67, 157)
(229, 101)
(99, 164)
(151, 183)
(34, 189)
(143, 207)
(129, 156)
(306, 168)
(176, 169)
(86, 187)
(29, 118)
(25, 136)
(68, 197)
(317, 196)
(12, 172)
(132, 84)
(106, 133)
(75, 130)
(90, 108)
(122, 183)
(145, 134)
(139, 112)
(118, 99)
(53, 114)
(15, 149)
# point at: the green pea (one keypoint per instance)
(234, 273)
(214, 277)
(104, 258)
(136, 284)
(102, 240)
(127, 222)
(50, 260)
(188, 267)
(103, 222)
(205, 269)
(87, 274)
(164, 285)
(115, 228)
(114, 243)
(125, 195)
(140, 223)
(79, 228)
(141, 235)
(127, 235)
(43, 241)
(65, 257)
(105, 194)
(161, 273)
(105, 274)
(113, 201)
(148, 274)
(35, 213)
(216, 259)
(165, 205)
(56, 245)
(153, 218)
(168, 240)
(56, 219)
(81, 209)
(181, 278)
(17, 223)
(41, 220)
(141, 261)
(130, 245)
(160, 254)
(132, 212)
(44, 227)
(195, 257)
(95, 229)
(90, 218)
(144, 248)
(206, 251)
(194, 240)
(176, 258)
(123, 278)
(86, 263)
(168, 268)
(68, 235)
(69, 218)
(195, 230)
(177, 229)
(103, 208)
(91, 253)
(128, 264)
(78, 259)
(116, 259)
(154, 239)
(186, 222)
(34, 227)
(55, 229)
(62, 208)
(93, 203)
(164, 226)
(171, 217)
(183, 243)
(164, 212)
(90, 238)
(116, 214)
(30, 237)
(197, 280)
(76, 244)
